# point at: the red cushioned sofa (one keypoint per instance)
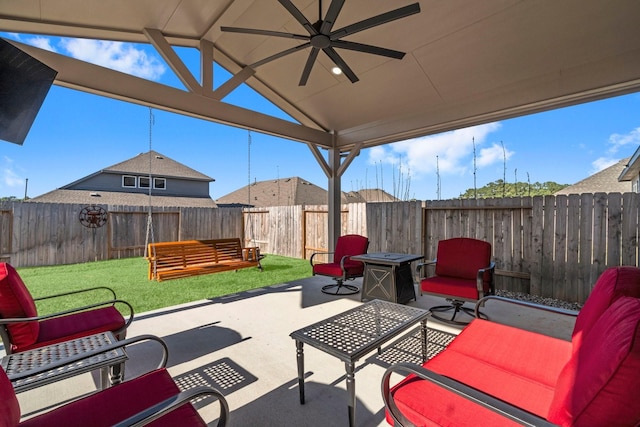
(497, 375)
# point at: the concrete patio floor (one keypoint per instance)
(240, 344)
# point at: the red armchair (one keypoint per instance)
(150, 398)
(22, 329)
(463, 272)
(342, 268)
(493, 374)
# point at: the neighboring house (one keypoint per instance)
(128, 183)
(368, 196)
(605, 181)
(631, 172)
(276, 192)
(294, 191)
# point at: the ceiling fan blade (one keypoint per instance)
(331, 53)
(299, 16)
(308, 66)
(263, 32)
(366, 48)
(376, 20)
(280, 55)
(331, 16)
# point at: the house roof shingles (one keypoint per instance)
(121, 198)
(605, 181)
(295, 191)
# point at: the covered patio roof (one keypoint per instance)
(466, 63)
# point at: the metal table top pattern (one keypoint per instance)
(39, 358)
(356, 332)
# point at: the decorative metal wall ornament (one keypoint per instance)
(93, 216)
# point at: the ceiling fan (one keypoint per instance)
(323, 37)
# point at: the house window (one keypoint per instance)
(143, 182)
(128, 181)
(160, 183)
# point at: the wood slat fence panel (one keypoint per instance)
(549, 246)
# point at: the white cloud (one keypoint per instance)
(494, 154)
(616, 140)
(9, 177)
(449, 151)
(42, 43)
(602, 163)
(119, 56)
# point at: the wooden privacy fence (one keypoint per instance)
(549, 246)
(552, 246)
(36, 234)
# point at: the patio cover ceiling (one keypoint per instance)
(467, 62)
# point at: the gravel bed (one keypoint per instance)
(540, 300)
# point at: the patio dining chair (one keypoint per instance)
(463, 272)
(342, 268)
(21, 328)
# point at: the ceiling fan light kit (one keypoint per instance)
(322, 37)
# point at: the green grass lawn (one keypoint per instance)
(128, 278)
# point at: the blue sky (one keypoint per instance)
(76, 134)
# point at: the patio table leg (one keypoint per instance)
(425, 341)
(300, 360)
(351, 390)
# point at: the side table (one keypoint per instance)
(355, 333)
(388, 276)
(18, 365)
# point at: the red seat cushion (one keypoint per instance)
(599, 386)
(450, 286)
(16, 302)
(490, 357)
(611, 285)
(333, 269)
(120, 402)
(9, 407)
(76, 325)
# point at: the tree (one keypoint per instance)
(513, 189)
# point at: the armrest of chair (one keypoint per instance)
(318, 253)
(422, 265)
(94, 352)
(480, 278)
(159, 410)
(71, 311)
(556, 310)
(485, 400)
(113, 293)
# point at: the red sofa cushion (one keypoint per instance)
(475, 254)
(119, 402)
(76, 325)
(599, 386)
(9, 407)
(489, 356)
(611, 285)
(444, 408)
(16, 302)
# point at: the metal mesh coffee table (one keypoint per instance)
(36, 360)
(355, 333)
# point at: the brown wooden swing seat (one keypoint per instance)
(173, 260)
